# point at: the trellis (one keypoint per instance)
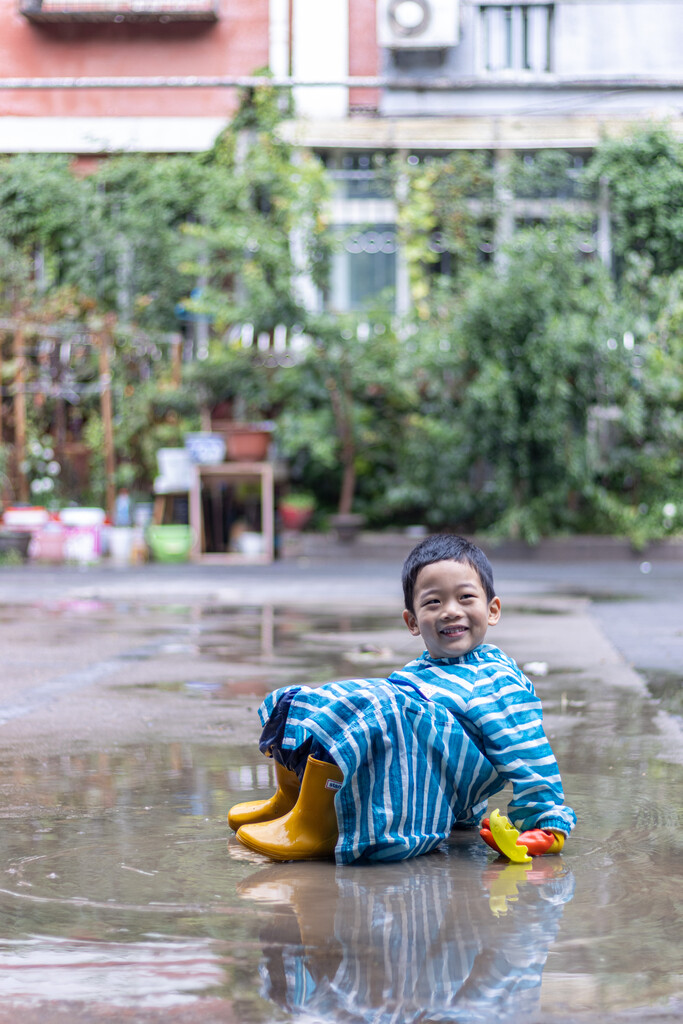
(32, 338)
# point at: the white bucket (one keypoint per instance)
(121, 544)
(175, 469)
(82, 516)
(250, 544)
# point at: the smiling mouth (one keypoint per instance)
(454, 630)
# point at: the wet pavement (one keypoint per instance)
(128, 727)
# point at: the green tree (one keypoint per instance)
(129, 258)
(261, 198)
(242, 378)
(511, 372)
(640, 475)
(343, 406)
(142, 232)
(548, 173)
(441, 201)
(113, 235)
(644, 174)
(43, 211)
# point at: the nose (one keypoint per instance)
(450, 608)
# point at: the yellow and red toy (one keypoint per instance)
(519, 847)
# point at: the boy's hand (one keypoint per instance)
(536, 840)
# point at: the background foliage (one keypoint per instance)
(524, 396)
(644, 173)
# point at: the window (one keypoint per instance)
(364, 267)
(516, 37)
(359, 175)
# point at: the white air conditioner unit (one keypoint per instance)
(417, 24)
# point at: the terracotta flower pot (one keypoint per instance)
(247, 442)
(294, 517)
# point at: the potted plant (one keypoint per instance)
(247, 442)
(233, 387)
(296, 510)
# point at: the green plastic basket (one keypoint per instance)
(170, 543)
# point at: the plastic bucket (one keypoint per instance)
(82, 516)
(171, 542)
(121, 544)
(175, 468)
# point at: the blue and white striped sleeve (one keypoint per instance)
(507, 713)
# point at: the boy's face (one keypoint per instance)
(451, 613)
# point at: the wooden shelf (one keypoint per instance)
(234, 472)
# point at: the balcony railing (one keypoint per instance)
(119, 10)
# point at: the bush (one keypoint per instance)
(510, 375)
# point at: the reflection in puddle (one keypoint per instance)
(256, 650)
(312, 647)
(667, 688)
(34, 970)
(446, 937)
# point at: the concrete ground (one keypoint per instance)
(128, 726)
(635, 600)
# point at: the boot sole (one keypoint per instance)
(289, 855)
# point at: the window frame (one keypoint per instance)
(507, 48)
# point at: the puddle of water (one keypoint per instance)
(667, 689)
(120, 877)
(259, 649)
(121, 885)
(116, 885)
(119, 880)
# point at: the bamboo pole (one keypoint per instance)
(103, 341)
(176, 360)
(20, 408)
(2, 431)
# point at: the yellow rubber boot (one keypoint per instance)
(282, 800)
(309, 831)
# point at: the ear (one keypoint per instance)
(411, 622)
(494, 611)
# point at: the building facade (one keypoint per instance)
(370, 79)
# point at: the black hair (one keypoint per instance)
(442, 547)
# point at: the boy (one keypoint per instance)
(389, 766)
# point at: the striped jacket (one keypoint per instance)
(425, 749)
